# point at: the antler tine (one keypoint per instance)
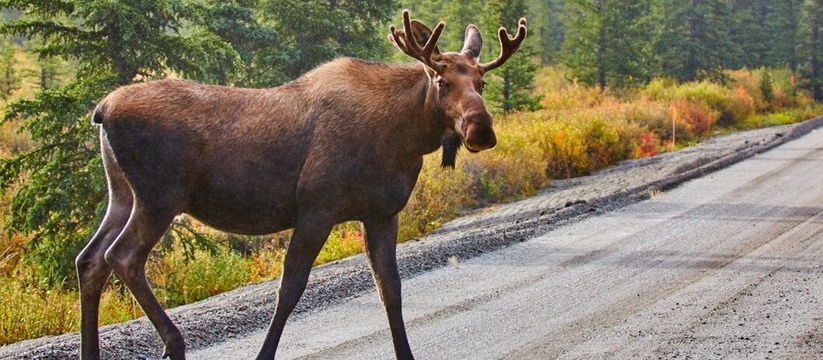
(406, 41)
(508, 45)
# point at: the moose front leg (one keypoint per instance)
(306, 243)
(381, 243)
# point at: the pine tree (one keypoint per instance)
(749, 30)
(457, 14)
(510, 86)
(58, 186)
(784, 24)
(315, 31)
(236, 22)
(606, 42)
(9, 79)
(693, 41)
(813, 47)
(550, 27)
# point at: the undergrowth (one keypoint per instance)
(578, 131)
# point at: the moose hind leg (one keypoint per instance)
(305, 245)
(381, 244)
(92, 269)
(93, 273)
(127, 257)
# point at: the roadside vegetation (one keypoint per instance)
(558, 114)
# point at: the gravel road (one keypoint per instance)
(707, 270)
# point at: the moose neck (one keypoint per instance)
(395, 103)
(420, 114)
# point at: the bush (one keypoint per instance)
(509, 171)
(179, 279)
(29, 312)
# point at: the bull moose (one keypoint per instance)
(343, 142)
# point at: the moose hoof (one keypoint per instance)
(174, 352)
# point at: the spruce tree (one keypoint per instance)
(693, 41)
(510, 86)
(813, 47)
(311, 32)
(606, 42)
(749, 30)
(58, 186)
(784, 29)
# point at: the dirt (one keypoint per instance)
(246, 310)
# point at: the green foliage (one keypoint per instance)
(9, 79)
(314, 31)
(812, 47)
(510, 86)
(58, 185)
(783, 24)
(693, 41)
(549, 27)
(237, 23)
(749, 30)
(178, 281)
(767, 86)
(606, 42)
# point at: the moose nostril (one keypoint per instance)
(480, 137)
(493, 141)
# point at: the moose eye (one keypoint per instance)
(441, 83)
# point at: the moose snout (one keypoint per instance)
(478, 132)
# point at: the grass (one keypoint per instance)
(579, 131)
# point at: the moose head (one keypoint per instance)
(457, 80)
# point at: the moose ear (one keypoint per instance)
(473, 42)
(422, 33)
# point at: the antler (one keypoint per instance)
(406, 41)
(508, 45)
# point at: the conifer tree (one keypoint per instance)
(58, 187)
(749, 29)
(693, 41)
(550, 27)
(606, 42)
(237, 23)
(312, 32)
(813, 47)
(510, 86)
(784, 29)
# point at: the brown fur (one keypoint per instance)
(344, 142)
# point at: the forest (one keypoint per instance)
(596, 82)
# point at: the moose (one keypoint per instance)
(344, 142)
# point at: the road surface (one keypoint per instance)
(729, 265)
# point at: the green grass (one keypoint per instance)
(579, 131)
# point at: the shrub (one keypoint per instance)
(179, 279)
(439, 196)
(510, 171)
(346, 240)
(29, 312)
